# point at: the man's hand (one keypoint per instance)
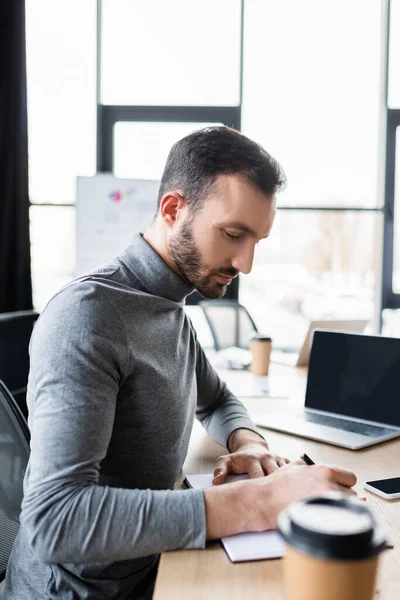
(249, 454)
(294, 482)
(254, 505)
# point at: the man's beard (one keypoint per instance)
(187, 258)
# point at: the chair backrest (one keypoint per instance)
(230, 323)
(14, 455)
(15, 333)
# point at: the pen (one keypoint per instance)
(307, 459)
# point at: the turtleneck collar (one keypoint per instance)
(154, 273)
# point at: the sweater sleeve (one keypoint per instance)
(76, 370)
(218, 409)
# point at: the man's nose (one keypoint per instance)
(243, 262)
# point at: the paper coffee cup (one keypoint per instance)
(260, 347)
(332, 548)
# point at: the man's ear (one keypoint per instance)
(172, 206)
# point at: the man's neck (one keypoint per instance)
(156, 238)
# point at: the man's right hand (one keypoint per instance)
(254, 504)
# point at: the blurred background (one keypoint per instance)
(112, 84)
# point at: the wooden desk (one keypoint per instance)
(205, 574)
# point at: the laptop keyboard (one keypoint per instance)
(353, 426)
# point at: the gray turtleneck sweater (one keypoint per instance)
(117, 377)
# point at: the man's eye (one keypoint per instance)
(231, 236)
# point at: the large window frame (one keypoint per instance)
(108, 115)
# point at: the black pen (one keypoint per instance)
(307, 459)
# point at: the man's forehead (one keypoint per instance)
(234, 191)
(239, 205)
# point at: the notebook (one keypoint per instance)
(352, 392)
(243, 546)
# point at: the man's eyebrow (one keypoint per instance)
(242, 227)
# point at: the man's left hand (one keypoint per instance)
(249, 454)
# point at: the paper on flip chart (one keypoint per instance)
(243, 546)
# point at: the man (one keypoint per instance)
(117, 376)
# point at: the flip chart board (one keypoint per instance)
(108, 211)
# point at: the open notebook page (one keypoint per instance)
(243, 546)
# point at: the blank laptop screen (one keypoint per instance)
(355, 375)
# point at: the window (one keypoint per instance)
(315, 104)
(52, 250)
(61, 80)
(315, 265)
(394, 56)
(170, 53)
(141, 148)
(310, 96)
(391, 246)
(396, 236)
(315, 108)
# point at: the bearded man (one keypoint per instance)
(117, 378)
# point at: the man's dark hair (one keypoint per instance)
(195, 161)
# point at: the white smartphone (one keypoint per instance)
(387, 488)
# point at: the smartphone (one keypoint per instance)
(387, 488)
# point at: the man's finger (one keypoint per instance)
(269, 465)
(299, 461)
(221, 470)
(219, 477)
(342, 477)
(346, 490)
(255, 470)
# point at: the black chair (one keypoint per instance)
(229, 322)
(15, 333)
(14, 455)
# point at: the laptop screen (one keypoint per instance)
(355, 375)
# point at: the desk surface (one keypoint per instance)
(204, 574)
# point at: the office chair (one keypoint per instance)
(229, 322)
(14, 454)
(15, 332)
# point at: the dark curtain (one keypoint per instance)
(15, 274)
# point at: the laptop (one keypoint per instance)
(300, 359)
(352, 396)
